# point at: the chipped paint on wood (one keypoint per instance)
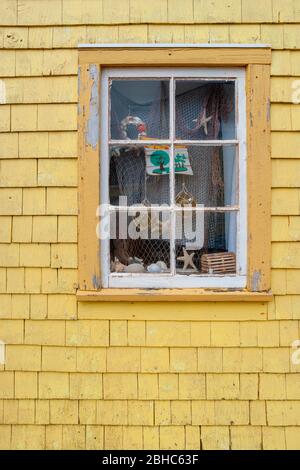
(89, 177)
(172, 295)
(255, 281)
(259, 178)
(92, 126)
(96, 282)
(250, 120)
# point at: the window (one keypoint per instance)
(174, 171)
(173, 174)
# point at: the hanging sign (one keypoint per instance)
(158, 160)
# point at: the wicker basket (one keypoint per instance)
(218, 263)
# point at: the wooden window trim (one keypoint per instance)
(257, 62)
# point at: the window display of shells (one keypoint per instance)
(136, 266)
(158, 267)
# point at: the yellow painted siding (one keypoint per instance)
(222, 380)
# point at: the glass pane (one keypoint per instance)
(140, 241)
(205, 110)
(140, 174)
(212, 234)
(139, 109)
(210, 178)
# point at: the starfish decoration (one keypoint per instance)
(187, 260)
(202, 121)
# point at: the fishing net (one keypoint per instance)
(128, 176)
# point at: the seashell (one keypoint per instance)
(134, 268)
(135, 260)
(117, 266)
(154, 268)
(162, 266)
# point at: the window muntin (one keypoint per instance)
(225, 207)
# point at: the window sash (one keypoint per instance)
(172, 279)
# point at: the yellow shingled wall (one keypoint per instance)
(225, 379)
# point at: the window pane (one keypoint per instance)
(139, 108)
(140, 241)
(209, 175)
(205, 233)
(205, 110)
(140, 174)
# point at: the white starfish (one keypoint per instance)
(187, 260)
(203, 120)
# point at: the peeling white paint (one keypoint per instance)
(256, 278)
(92, 128)
(96, 282)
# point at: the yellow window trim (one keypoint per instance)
(257, 62)
(172, 295)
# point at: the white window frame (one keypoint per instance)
(166, 280)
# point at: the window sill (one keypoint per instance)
(172, 295)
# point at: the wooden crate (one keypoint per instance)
(218, 263)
